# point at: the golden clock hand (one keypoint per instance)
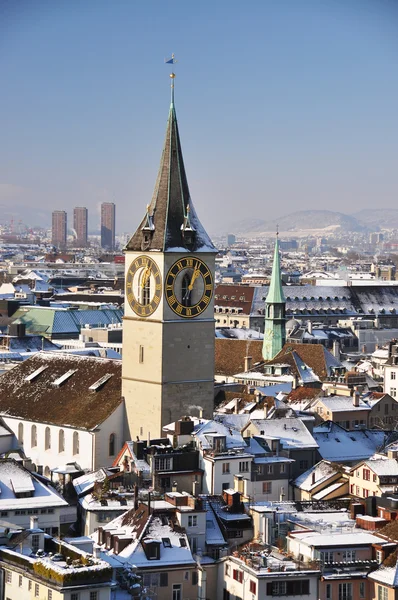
(195, 275)
(145, 277)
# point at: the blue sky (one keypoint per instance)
(282, 104)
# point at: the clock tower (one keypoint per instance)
(168, 327)
(275, 304)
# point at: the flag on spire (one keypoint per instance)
(170, 61)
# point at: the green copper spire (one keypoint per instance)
(275, 292)
(274, 326)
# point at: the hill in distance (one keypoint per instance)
(301, 221)
(375, 218)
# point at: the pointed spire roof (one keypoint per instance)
(275, 292)
(171, 223)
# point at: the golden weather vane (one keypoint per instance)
(171, 61)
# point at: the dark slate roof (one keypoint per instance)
(70, 403)
(309, 300)
(167, 213)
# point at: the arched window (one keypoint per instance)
(185, 291)
(47, 471)
(20, 433)
(112, 444)
(144, 284)
(61, 441)
(47, 439)
(33, 436)
(75, 442)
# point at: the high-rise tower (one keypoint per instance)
(108, 214)
(168, 329)
(80, 225)
(59, 228)
(275, 304)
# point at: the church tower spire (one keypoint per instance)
(275, 304)
(174, 222)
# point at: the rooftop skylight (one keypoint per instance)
(58, 382)
(98, 384)
(36, 373)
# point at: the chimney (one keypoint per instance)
(336, 349)
(96, 551)
(309, 327)
(355, 398)
(195, 488)
(174, 487)
(34, 522)
(364, 348)
(248, 363)
(200, 412)
(236, 407)
(313, 478)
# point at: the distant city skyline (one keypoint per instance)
(282, 106)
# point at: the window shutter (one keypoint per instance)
(269, 588)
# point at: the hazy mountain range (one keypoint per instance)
(300, 221)
(321, 220)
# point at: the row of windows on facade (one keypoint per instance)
(154, 580)
(31, 511)
(346, 591)
(244, 467)
(37, 593)
(61, 439)
(274, 588)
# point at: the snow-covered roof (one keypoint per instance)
(383, 466)
(15, 479)
(386, 575)
(315, 476)
(291, 431)
(343, 404)
(338, 445)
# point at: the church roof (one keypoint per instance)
(171, 223)
(61, 389)
(275, 291)
(230, 355)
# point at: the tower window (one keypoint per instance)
(145, 287)
(141, 354)
(185, 291)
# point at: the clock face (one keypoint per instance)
(189, 287)
(143, 286)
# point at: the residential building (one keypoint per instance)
(59, 228)
(391, 370)
(23, 494)
(108, 221)
(80, 225)
(35, 565)
(155, 542)
(287, 436)
(357, 411)
(265, 575)
(374, 477)
(324, 481)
